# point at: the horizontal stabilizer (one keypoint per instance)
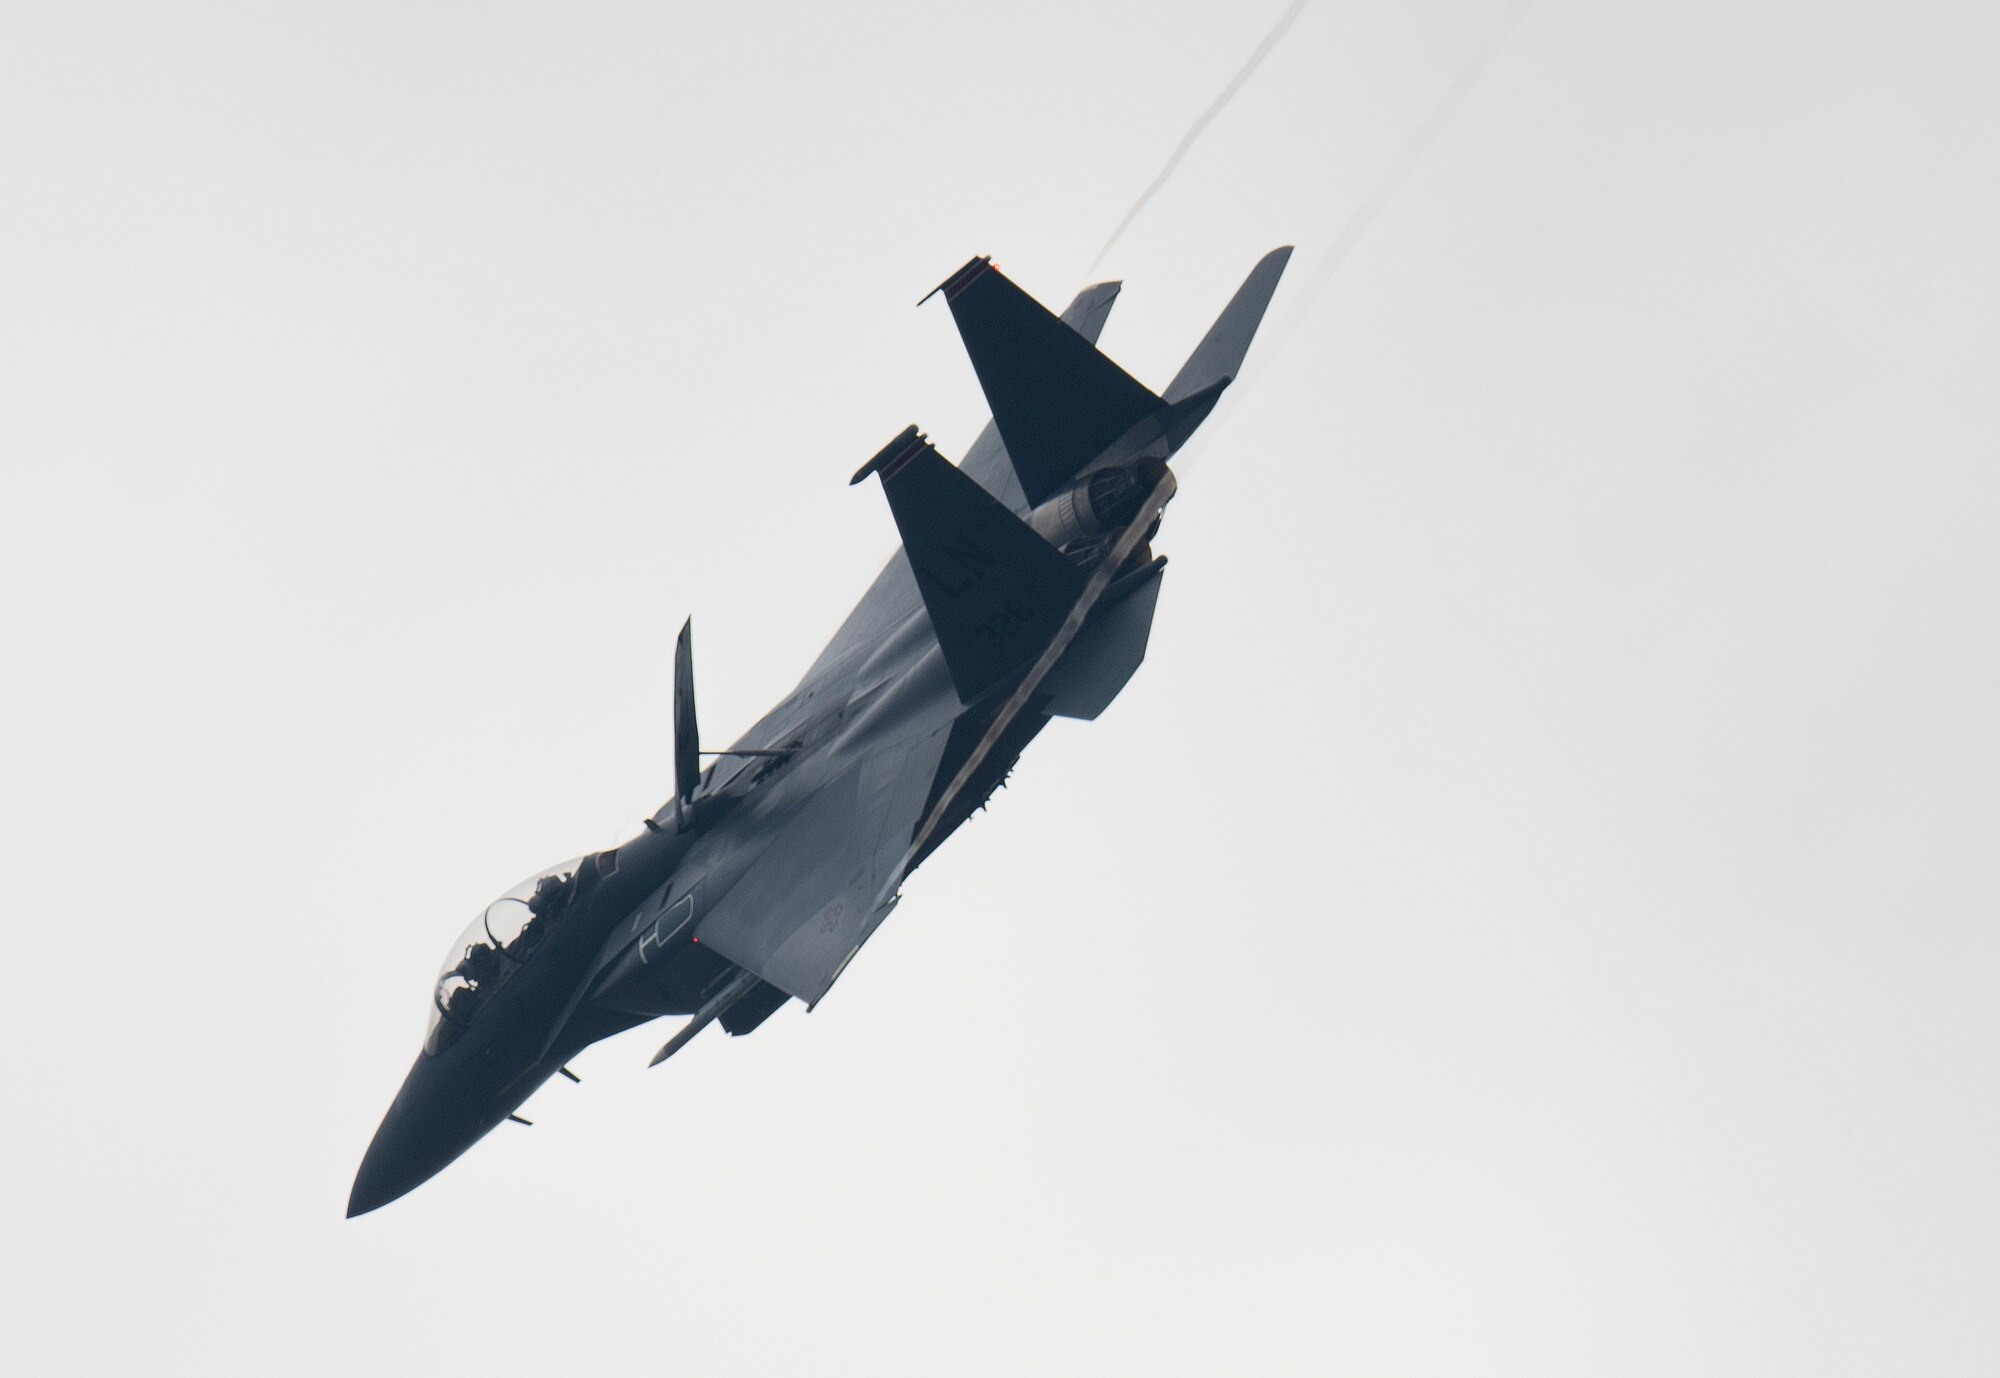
(1109, 649)
(1058, 403)
(1220, 354)
(995, 590)
(1090, 308)
(1185, 414)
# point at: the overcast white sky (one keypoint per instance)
(1535, 912)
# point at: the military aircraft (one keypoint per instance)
(1024, 590)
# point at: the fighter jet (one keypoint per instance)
(1024, 590)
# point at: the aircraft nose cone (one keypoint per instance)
(407, 1152)
(388, 1170)
(427, 1126)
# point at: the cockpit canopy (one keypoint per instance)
(496, 943)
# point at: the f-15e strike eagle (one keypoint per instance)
(1024, 590)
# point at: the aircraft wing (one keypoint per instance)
(795, 925)
(997, 594)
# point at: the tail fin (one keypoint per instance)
(1058, 403)
(986, 458)
(995, 590)
(1220, 354)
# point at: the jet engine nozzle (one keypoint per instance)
(1099, 502)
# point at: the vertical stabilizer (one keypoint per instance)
(995, 590)
(1058, 402)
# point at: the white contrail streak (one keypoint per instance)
(1202, 122)
(1406, 161)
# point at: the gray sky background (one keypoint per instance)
(1535, 912)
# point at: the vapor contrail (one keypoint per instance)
(1406, 161)
(1202, 122)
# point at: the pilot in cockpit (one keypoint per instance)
(550, 898)
(480, 962)
(550, 892)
